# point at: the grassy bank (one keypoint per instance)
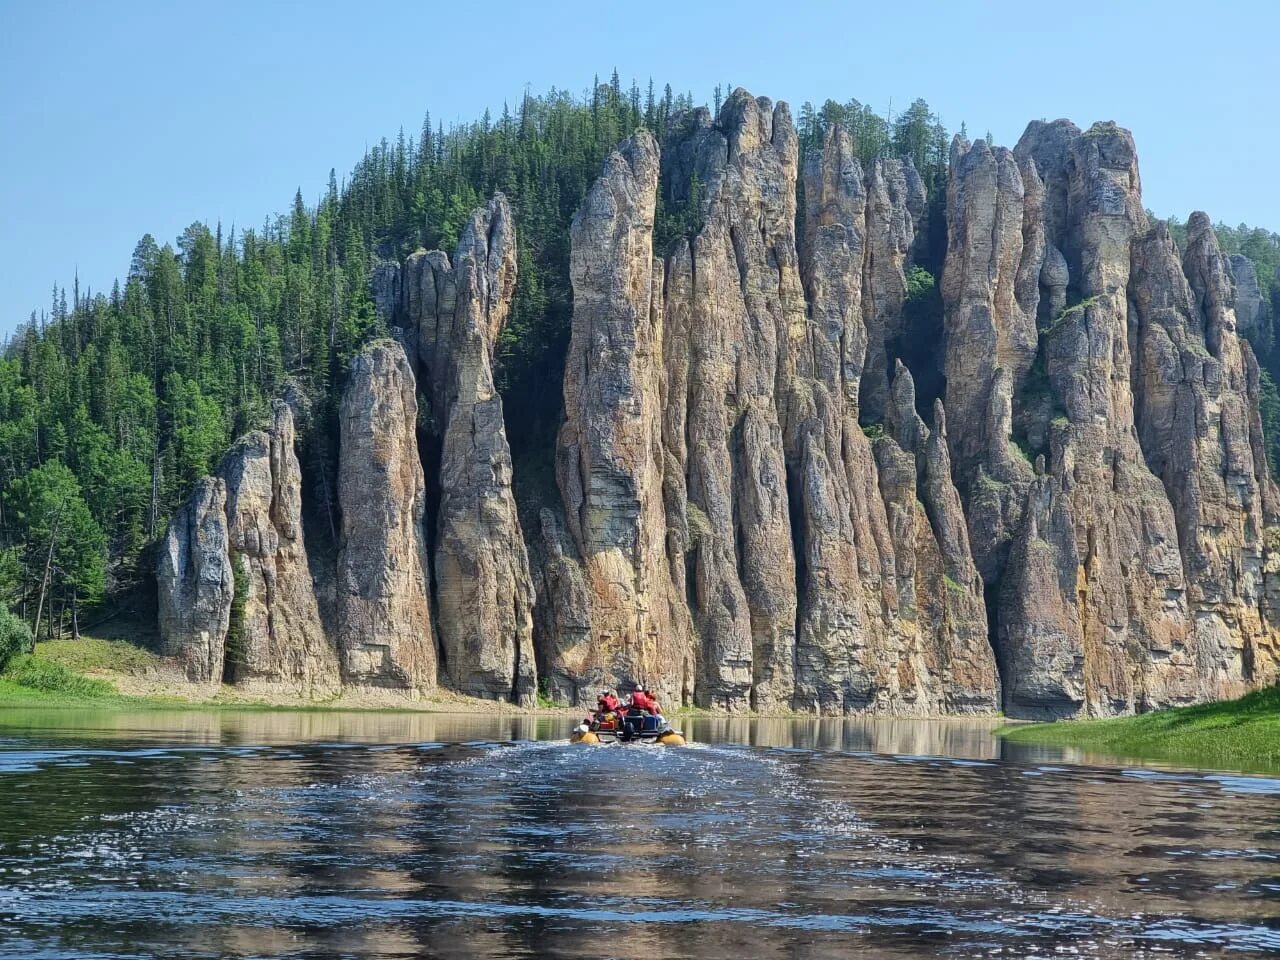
(1239, 734)
(110, 673)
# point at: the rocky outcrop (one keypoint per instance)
(282, 643)
(449, 318)
(1039, 641)
(941, 605)
(755, 509)
(1253, 311)
(383, 616)
(195, 583)
(237, 600)
(1129, 591)
(429, 303)
(1105, 603)
(996, 255)
(609, 461)
(879, 629)
(712, 453)
(484, 591)
(735, 297)
(1196, 386)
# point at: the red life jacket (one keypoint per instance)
(643, 701)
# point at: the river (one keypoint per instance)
(371, 835)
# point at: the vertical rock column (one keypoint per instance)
(891, 615)
(282, 641)
(844, 651)
(740, 302)
(1196, 393)
(1128, 595)
(610, 459)
(195, 583)
(957, 671)
(995, 250)
(383, 617)
(483, 587)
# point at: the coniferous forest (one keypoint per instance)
(113, 403)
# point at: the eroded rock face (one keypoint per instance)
(765, 358)
(1129, 589)
(282, 641)
(1195, 397)
(895, 198)
(450, 316)
(610, 461)
(196, 584)
(1128, 574)
(383, 617)
(483, 587)
(756, 511)
(947, 613)
(991, 291)
(1253, 311)
(1040, 642)
(385, 281)
(879, 631)
(738, 297)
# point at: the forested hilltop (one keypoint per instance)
(112, 407)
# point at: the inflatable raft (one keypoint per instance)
(633, 727)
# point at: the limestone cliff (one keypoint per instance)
(449, 314)
(754, 508)
(609, 461)
(483, 587)
(383, 614)
(237, 600)
(1196, 385)
(712, 448)
(195, 583)
(1073, 332)
(282, 641)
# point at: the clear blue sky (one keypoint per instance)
(118, 119)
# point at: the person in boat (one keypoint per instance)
(640, 703)
(607, 702)
(643, 699)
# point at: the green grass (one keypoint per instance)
(39, 675)
(91, 653)
(1239, 734)
(52, 677)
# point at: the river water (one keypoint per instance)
(206, 834)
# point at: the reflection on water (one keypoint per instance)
(395, 835)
